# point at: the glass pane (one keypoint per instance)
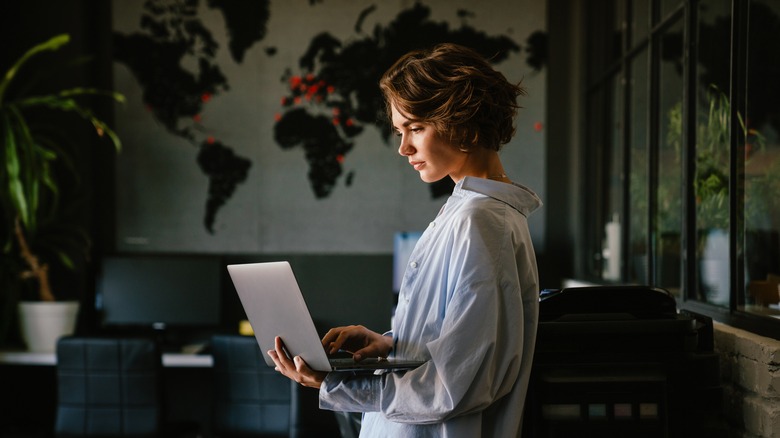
(638, 179)
(597, 138)
(668, 232)
(762, 160)
(605, 36)
(669, 6)
(619, 23)
(618, 27)
(711, 175)
(640, 21)
(612, 244)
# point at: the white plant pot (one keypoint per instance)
(43, 323)
(714, 268)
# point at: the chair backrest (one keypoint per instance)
(108, 387)
(250, 398)
(349, 423)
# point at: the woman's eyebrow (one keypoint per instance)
(403, 125)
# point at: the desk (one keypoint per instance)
(169, 360)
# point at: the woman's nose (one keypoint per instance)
(405, 149)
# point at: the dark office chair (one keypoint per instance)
(250, 398)
(349, 423)
(253, 400)
(108, 388)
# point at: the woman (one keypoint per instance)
(468, 303)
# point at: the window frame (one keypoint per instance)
(598, 132)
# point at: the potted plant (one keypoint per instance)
(35, 157)
(711, 187)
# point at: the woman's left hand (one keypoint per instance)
(295, 369)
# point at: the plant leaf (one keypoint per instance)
(52, 44)
(65, 101)
(12, 170)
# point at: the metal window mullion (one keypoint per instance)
(688, 259)
(737, 95)
(654, 67)
(625, 145)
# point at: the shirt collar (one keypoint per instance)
(517, 196)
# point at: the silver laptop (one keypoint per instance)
(274, 305)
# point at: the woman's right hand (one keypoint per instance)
(358, 340)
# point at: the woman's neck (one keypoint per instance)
(484, 163)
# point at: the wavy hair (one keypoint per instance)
(458, 92)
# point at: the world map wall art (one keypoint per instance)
(258, 126)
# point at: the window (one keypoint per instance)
(683, 153)
(759, 163)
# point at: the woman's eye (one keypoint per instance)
(417, 129)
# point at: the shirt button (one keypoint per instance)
(433, 224)
(413, 264)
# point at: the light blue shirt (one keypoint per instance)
(468, 305)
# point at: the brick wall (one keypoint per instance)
(750, 372)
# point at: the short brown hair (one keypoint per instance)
(457, 91)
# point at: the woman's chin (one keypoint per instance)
(430, 178)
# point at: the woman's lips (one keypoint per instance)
(417, 164)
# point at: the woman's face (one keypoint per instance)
(427, 152)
